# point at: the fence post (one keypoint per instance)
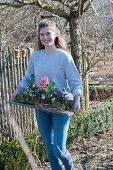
(0, 39)
(11, 72)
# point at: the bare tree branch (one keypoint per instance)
(104, 32)
(47, 7)
(93, 8)
(87, 7)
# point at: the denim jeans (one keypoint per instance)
(54, 128)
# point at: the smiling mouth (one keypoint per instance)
(46, 41)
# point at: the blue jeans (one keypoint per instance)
(54, 128)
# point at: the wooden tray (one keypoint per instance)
(43, 107)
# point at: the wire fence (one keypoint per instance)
(13, 65)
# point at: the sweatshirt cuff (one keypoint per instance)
(77, 92)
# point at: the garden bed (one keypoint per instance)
(94, 153)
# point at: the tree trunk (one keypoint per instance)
(85, 97)
(78, 56)
(75, 40)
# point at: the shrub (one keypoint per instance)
(100, 93)
(89, 122)
(13, 157)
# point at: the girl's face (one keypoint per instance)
(47, 36)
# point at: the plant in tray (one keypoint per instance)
(44, 94)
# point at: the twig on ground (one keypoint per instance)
(34, 152)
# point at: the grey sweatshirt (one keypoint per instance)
(58, 66)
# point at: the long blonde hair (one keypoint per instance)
(59, 41)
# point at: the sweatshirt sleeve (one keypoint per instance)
(29, 77)
(72, 76)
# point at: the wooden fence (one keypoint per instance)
(12, 69)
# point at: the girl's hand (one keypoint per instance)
(16, 92)
(77, 106)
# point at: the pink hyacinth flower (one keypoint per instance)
(44, 80)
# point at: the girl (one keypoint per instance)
(52, 60)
